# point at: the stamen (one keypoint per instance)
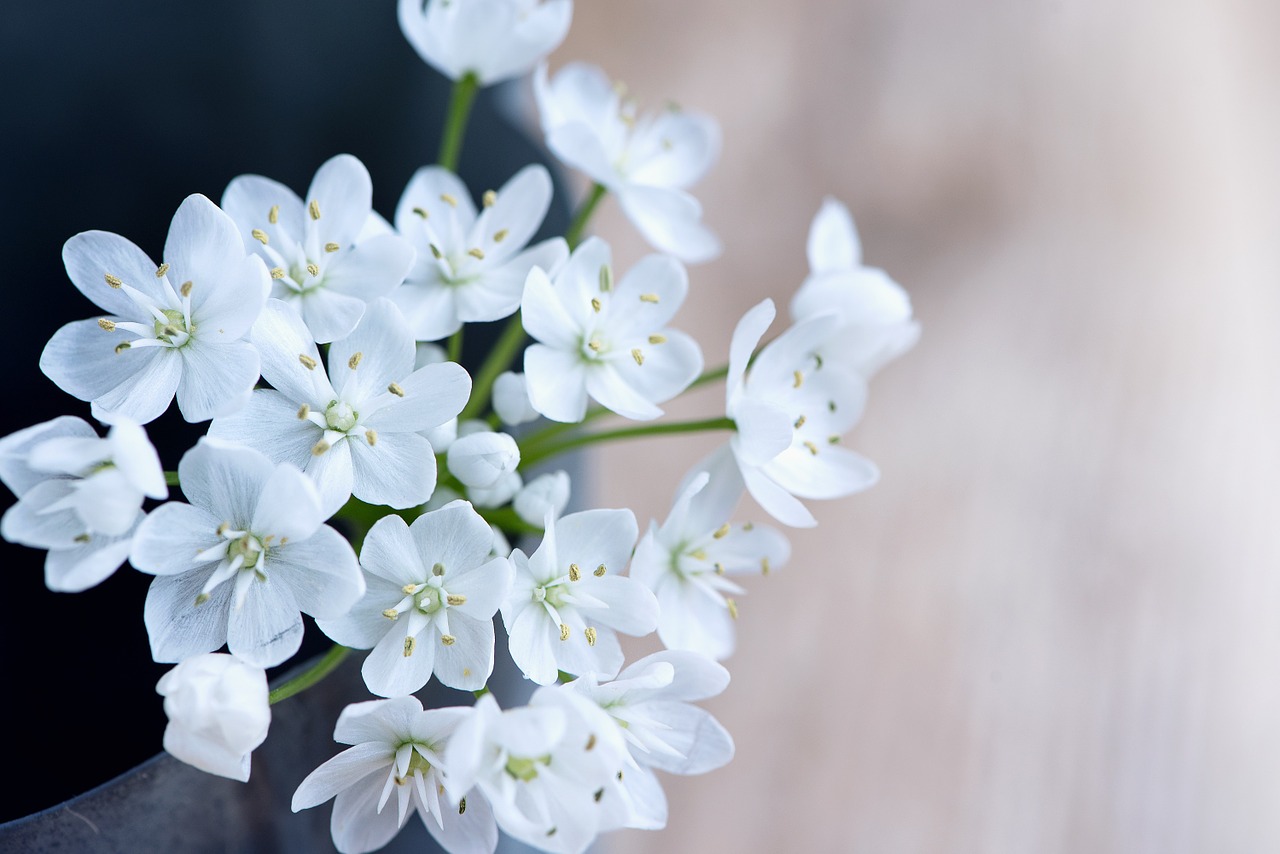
(595, 305)
(307, 362)
(108, 325)
(303, 411)
(435, 250)
(319, 448)
(223, 528)
(595, 345)
(698, 554)
(833, 440)
(113, 281)
(122, 346)
(657, 339)
(500, 235)
(314, 207)
(277, 272)
(422, 212)
(490, 198)
(456, 599)
(638, 355)
(202, 598)
(564, 632)
(799, 379)
(391, 614)
(813, 449)
(185, 290)
(409, 644)
(313, 269)
(409, 589)
(722, 531)
(733, 608)
(719, 568)
(591, 741)
(598, 795)
(476, 253)
(462, 806)
(354, 361)
(653, 298)
(748, 526)
(574, 573)
(260, 236)
(438, 569)
(591, 635)
(667, 144)
(600, 571)
(371, 436)
(606, 278)
(831, 406)
(448, 640)
(161, 270)
(82, 538)
(800, 422)
(449, 200)
(764, 566)
(331, 247)
(273, 215)
(395, 389)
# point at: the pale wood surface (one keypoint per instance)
(1055, 625)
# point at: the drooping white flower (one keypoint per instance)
(511, 399)
(791, 411)
(605, 340)
(480, 459)
(79, 496)
(647, 161)
(471, 267)
(545, 495)
(320, 261)
(239, 562)
(356, 429)
(543, 768)
(397, 748)
(688, 561)
(493, 39)
(569, 597)
(876, 323)
(432, 592)
(218, 713)
(170, 328)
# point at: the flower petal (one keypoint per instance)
(342, 772)
(216, 379)
(671, 220)
(322, 572)
(267, 629)
(399, 471)
(557, 383)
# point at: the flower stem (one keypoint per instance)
(171, 478)
(455, 126)
(312, 675)
(454, 351)
(553, 449)
(531, 443)
(582, 216)
(499, 359)
(710, 377)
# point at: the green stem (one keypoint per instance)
(582, 216)
(508, 520)
(626, 433)
(499, 359)
(171, 478)
(710, 376)
(454, 351)
(531, 443)
(310, 676)
(455, 126)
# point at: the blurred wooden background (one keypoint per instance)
(1055, 625)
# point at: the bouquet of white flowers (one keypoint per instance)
(322, 341)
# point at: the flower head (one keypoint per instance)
(492, 39)
(218, 713)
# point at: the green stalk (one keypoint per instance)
(499, 359)
(310, 676)
(545, 452)
(171, 478)
(577, 228)
(710, 376)
(455, 126)
(454, 351)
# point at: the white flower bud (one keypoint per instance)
(500, 493)
(501, 545)
(480, 459)
(443, 436)
(545, 493)
(428, 354)
(218, 713)
(511, 400)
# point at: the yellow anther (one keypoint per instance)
(595, 305)
(435, 250)
(490, 198)
(800, 422)
(223, 528)
(409, 644)
(813, 449)
(719, 568)
(354, 361)
(314, 207)
(108, 325)
(437, 569)
(185, 290)
(409, 589)
(122, 346)
(748, 526)
(591, 741)
(319, 448)
(500, 235)
(395, 389)
(462, 806)
(606, 278)
(764, 566)
(313, 269)
(391, 614)
(303, 411)
(575, 573)
(307, 362)
(331, 247)
(82, 538)
(657, 339)
(722, 531)
(595, 345)
(698, 554)
(161, 270)
(113, 281)
(798, 381)
(653, 298)
(591, 635)
(371, 436)
(422, 212)
(277, 272)
(202, 598)
(448, 640)
(476, 253)
(273, 215)
(600, 571)
(733, 608)
(456, 599)
(564, 632)
(833, 439)
(260, 236)
(449, 200)
(638, 355)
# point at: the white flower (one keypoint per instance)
(397, 747)
(480, 459)
(470, 267)
(688, 560)
(875, 312)
(569, 598)
(543, 768)
(257, 526)
(80, 496)
(609, 341)
(356, 429)
(511, 399)
(218, 713)
(432, 594)
(545, 495)
(171, 328)
(791, 412)
(320, 261)
(499, 492)
(647, 161)
(493, 39)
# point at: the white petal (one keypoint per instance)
(430, 309)
(746, 335)
(371, 269)
(633, 310)
(764, 431)
(606, 384)
(833, 472)
(511, 399)
(433, 394)
(704, 743)
(594, 537)
(690, 619)
(269, 423)
(518, 210)
(667, 370)
(77, 569)
(289, 506)
(281, 337)
(833, 240)
(671, 220)
(532, 640)
(399, 471)
(216, 379)
(144, 396)
(385, 344)
(341, 772)
(543, 312)
(15, 470)
(81, 360)
(267, 629)
(171, 536)
(356, 824)
(207, 755)
(322, 572)
(389, 550)
(343, 192)
(92, 255)
(334, 474)
(176, 626)
(776, 501)
(328, 314)
(134, 454)
(455, 536)
(249, 200)
(467, 663)
(224, 310)
(557, 383)
(223, 479)
(388, 672)
(675, 149)
(479, 459)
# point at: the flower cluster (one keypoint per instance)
(321, 343)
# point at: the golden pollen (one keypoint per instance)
(273, 215)
(449, 200)
(277, 272)
(354, 361)
(331, 247)
(595, 345)
(591, 635)
(202, 598)
(391, 614)
(435, 250)
(800, 422)
(185, 290)
(564, 632)
(574, 573)
(409, 644)
(813, 449)
(764, 566)
(637, 355)
(606, 278)
(422, 212)
(320, 447)
(456, 599)
(108, 325)
(409, 589)
(113, 281)
(314, 207)
(719, 568)
(161, 270)
(437, 569)
(313, 269)
(600, 571)
(595, 305)
(490, 198)
(500, 235)
(303, 411)
(260, 236)
(722, 531)
(448, 640)
(653, 298)
(799, 380)
(395, 389)
(733, 608)
(307, 362)
(476, 253)
(122, 346)
(698, 554)
(371, 436)
(657, 339)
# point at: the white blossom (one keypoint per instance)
(171, 328)
(239, 562)
(480, 459)
(876, 323)
(357, 428)
(397, 748)
(500, 492)
(493, 39)
(320, 261)
(432, 592)
(471, 267)
(218, 713)
(569, 598)
(545, 495)
(647, 161)
(606, 340)
(511, 399)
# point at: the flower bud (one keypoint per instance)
(511, 400)
(443, 436)
(218, 713)
(545, 493)
(479, 459)
(502, 491)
